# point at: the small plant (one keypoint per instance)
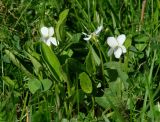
(73, 68)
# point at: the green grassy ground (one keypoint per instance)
(76, 80)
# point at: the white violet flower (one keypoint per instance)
(116, 45)
(47, 34)
(95, 33)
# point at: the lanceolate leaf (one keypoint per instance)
(85, 82)
(51, 61)
(17, 63)
(8, 81)
(90, 63)
(61, 21)
(36, 64)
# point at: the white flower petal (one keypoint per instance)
(84, 33)
(110, 52)
(121, 38)
(98, 30)
(123, 49)
(118, 52)
(112, 42)
(53, 41)
(87, 38)
(50, 31)
(48, 42)
(44, 32)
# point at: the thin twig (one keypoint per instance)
(143, 10)
(142, 14)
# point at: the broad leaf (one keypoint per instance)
(34, 85)
(113, 96)
(122, 75)
(120, 67)
(85, 82)
(46, 84)
(141, 38)
(102, 101)
(140, 47)
(8, 81)
(128, 43)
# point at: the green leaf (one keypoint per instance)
(36, 64)
(78, 66)
(8, 81)
(51, 61)
(85, 82)
(68, 53)
(17, 63)
(141, 39)
(76, 37)
(34, 85)
(128, 43)
(16, 42)
(102, 101)
(40, 115)
(120, 67)
(116, 87)
(5, 58)
(46, 84)
(65, 120)
(59, 27)
(122, 75)
(112, 65)
(141, 42)
(90, 63)
(113, 96)
(140, 47)
(96, 58)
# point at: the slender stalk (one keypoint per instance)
(142, 14)
(152, 9)
(24, 107)
(2, 70)
(149, 92)
(150, 86)
(144, 106)
(27, 115)
(89, 15)
(77, 98)
(58, 102)
(22, 13)
(143, 11)
(93, 104)
(98, 47)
